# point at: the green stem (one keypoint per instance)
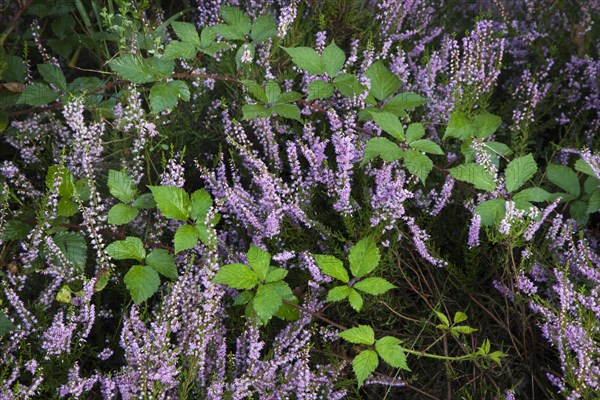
(438, 357)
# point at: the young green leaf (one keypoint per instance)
(131, 248)
(383, 82)
(332, 266)
(464, 329)
(519, 171)
(319, 89)
(364, 257)
(381, 147)
(237, 276)
(142, 282)
(389, 123)
(259, 260)
(338, 293)
(474, 174)
(459, 317)
(173, 202)
(362, 334)
(307, 59)
(426, 146)
(364, 364)
(414, 132)
(121, 186)
(486, 124)
(186, 238)
(355, 300)
(533, 194)
(162, 262)
(201, 202)
(564, 177)
(263, 28)
(491, 211)
(120, 214)
(442, 318)
(418, 164)
(389, 350)
(333, 59)
(374, 286)
(53, 75)
(186, 32)
(133, 68)
(459, 126)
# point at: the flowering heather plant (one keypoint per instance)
(304, 200)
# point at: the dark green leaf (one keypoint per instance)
(383, 82)
(259, 260)
(519, 171)
(5, 325)
(15, 230)
(53, 75)
(255, 90)
(142, 282)
(239, 22)
(348, 85)
(486, 124)
(253, 111)
(414, 132)
(418, 164)
(163, 263)
(37, 94)
(533, 194)
(333, 59)
(474, 174)
(186, 32)
(177, 49)
(290, 111)
(459, 126)
(564, 177)
(120, 214)
(201, 202)
(491, 211)
(263, 28)
(272, 91)
(382, 147)
(319, 89)
(145, 202)
(74, 248)
(405, 101)
(133, 68)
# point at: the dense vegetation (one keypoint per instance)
(279, 199)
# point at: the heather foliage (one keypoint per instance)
(305, 200)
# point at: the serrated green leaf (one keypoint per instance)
(63, 295)
(533, 194)
(464, 329)
(259, 260)
(333, 267)
(37, 94)
(389, 350)
(15, 230)
(131, 248)
(66, 186)
(564, 177)
(201, 202)
(474, 174)
(102, 281)
(491, 212)
(173, 202)
(363, 257)
(405, 101)
(519, 171)
(364, 364)
(486, 124)
(165, 96)
(5, 325)
(142, 282)
(338, 293)
(162, 262)
(276, 274)
(73, 247)
(54, 75)
(237, 276)
(381, 147)
(132, 68)
(243, 298)
(207, 36)
(235, 18)
(177, 49)
(228, 32)
(306, 59)
(290, 111)
(121, 186)
(186, 238)
(389, 123)
(459, 126)
(578, 211)
(269, 298)
(355, 300)
(442, 318)
(186, 32)
(414, 132)
(383, 82)
(594, 202)
(120, 214)
(348, 85)
(426, 146)
(418, 164)
(333, 59)
(374, 286)
(253, 111)
(362, 334)
(288, 97)
(263, 28)
(288, 313)
(67, 207)
(272, 91)
(582, 166)
(591, 185)
(319, 89)
(255, 90)
(498, 148)
(459, 317)
(161, 67)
